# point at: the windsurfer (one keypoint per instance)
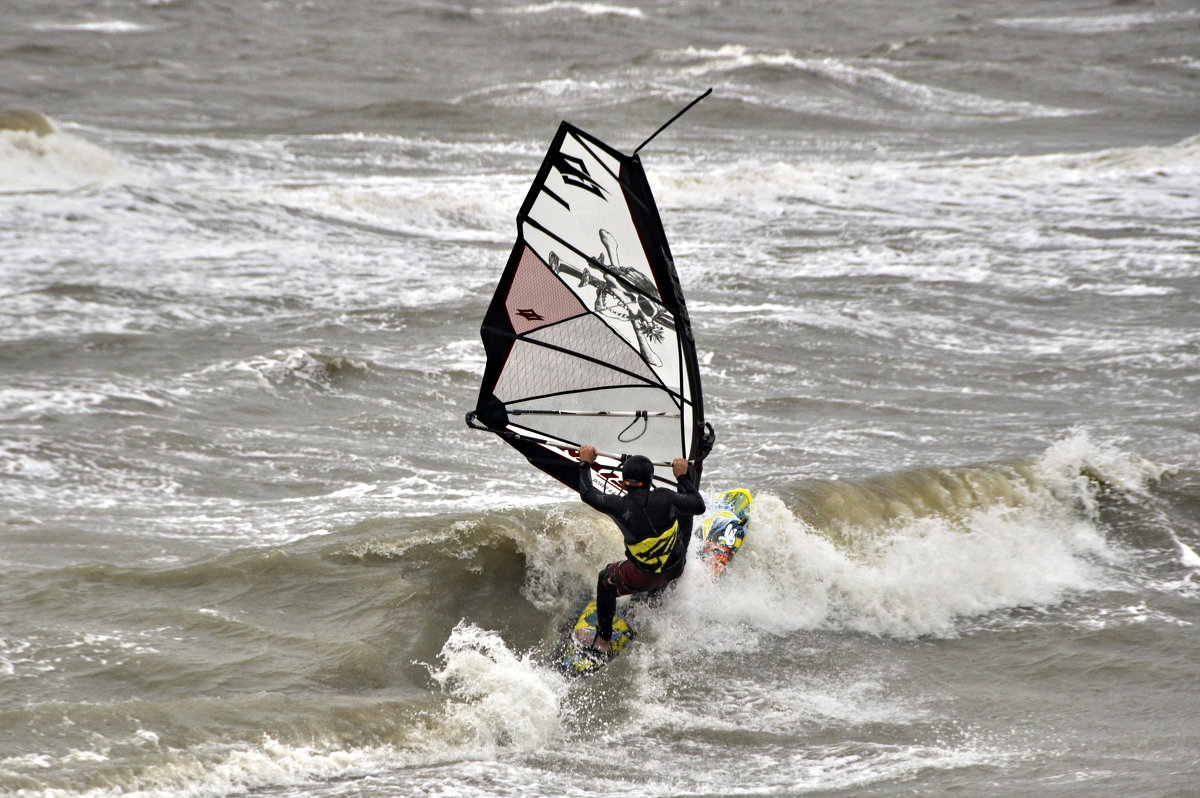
(656, 525)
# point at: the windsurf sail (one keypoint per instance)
(588, 339)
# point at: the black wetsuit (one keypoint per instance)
(656, 525)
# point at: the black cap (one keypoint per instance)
(638, 469)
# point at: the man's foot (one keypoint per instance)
(602, 645)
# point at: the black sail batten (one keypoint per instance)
(679, 403)
(642, 381)
(587, 337)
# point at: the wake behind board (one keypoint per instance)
(723, 534)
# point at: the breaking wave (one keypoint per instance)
(876, 87)
(37, 155)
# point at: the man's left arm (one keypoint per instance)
(688, 499)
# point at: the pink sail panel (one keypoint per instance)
(537, 297)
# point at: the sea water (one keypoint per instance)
(942, 262)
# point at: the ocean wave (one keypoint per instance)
(1187, 62)
(192, 184)
(296, 367)
(505, 702)
(94, 26)
(581, 8)
(443, 210)
(470, 606)
(835, 183)
(866, 77)
(203, 770)
(921, 553)
(1149, 161)
(1100, 23)
(921, 220)
(567, 96)
(76, 310)
(501, 700)
(37, 155)
(37, 403)
(904, 554)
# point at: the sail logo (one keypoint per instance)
(529, 314)
(574, 172)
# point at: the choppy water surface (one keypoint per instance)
(943, 268)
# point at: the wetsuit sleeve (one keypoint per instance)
(604, 502)
(688, 499)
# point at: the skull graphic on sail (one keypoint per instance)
(621, 294)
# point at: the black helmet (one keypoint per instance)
(638, 469)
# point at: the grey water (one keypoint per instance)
(943, 267)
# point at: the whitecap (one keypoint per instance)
(501, 700)
(866, 75)
(1102, 23)
(33, 161)
(94, 26)
(586, 9)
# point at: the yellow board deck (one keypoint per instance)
(579, 658)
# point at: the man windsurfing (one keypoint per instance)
(656, 524)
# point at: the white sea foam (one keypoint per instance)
(22, 459)
(18, 659)
(931, 572)
(501, 700)
(212, 770)
(38, 404)
(1101, 23)
(293, 366)
(54, 162)
(1187, 555)
(465, 356)
(94, 26)
(446, 210)
(793, 702)
(271, 763)
(54, 651)
(504, 702)
(864, 75)
(398, 195)
(566, 95)
(1070, 466)
(1183, 61)
(586, 9)
(1031, 223)
(847, 185)
(36, 309)
(922, 575)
